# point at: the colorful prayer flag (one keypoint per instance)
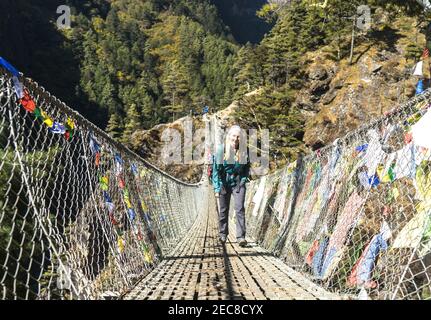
(19, 90)
(27, 102)
(9, 67)
(94, 145)
(104, 183)
(57, 128)
(132, 214)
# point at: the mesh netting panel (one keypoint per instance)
(81, 217)
(355, 216)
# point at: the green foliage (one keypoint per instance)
(413, 51)
(20, 259)
(338, 27)
(164, 59)
(273, 110)
(399, 7)
(132, 122)
(248, 71)
(276, 65)
(268, 12)
(115, 127)
(124, 52)
(176, 86)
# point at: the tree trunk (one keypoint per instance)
(173, 106)
(352, 46)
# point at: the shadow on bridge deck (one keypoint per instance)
(201, 267)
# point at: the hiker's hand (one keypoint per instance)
(217, 195)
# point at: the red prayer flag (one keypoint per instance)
(408, 137)
(113, 220)
(97, 161)
(310, 255)
(121, 183)
(27, 102)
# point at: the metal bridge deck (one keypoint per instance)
(201, 268)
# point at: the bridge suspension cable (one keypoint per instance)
(81, 216)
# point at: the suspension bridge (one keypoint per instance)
(83, 217)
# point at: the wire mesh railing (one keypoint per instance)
(355, 217)
(81, 216)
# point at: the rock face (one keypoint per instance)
(339, 97)
(318, 72)
(150, 144)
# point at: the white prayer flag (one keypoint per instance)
(422, 131)
(418, 71)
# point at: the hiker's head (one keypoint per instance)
(233, 137)
(235, 145)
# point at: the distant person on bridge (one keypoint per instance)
(230, 173)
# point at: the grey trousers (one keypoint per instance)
(239, 198)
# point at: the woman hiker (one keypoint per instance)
(231, 168)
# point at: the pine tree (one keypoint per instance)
(115, 127)
(340, 16)
(246, 68)
(413, 51)
(313, 31)
(175, 88)
(149, 112)
(132, 123)
(273, 110)
(284, 45)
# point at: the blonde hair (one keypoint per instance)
(227, 147)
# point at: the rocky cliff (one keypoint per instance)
(338, 96)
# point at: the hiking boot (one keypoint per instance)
(242, 242)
